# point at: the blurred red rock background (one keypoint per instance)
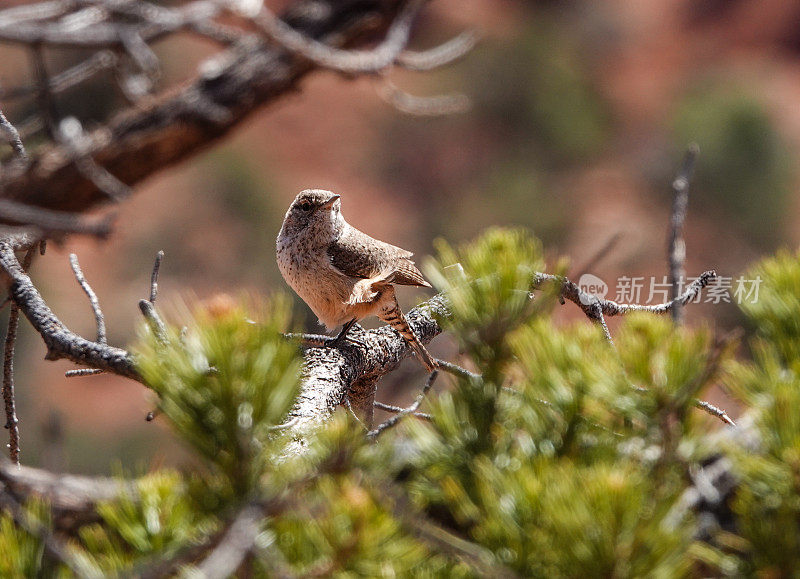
(581, 114)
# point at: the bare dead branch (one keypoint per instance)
(441, 55)
(141, 54)
(406, 411)
(147, 307)
(34, 12)
(714, 411)
(12, 423)
(351, 61)
(93, 28)
(69, 78)
(153, 320)
(228, 547)
(44, 98)
(676, 250)
(428, 106)
(78, 145)
(601, 320)
(60, 341)
(395, 409)
(51, 222)
(79, 372)
(592, 305)
(93, 301)
(72, 498)
(11, 136)
(237, 543)
(457, 370)
(141, 141)
(154, 277)
(330, 373)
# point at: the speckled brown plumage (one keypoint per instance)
(343, 274)
(356, 254)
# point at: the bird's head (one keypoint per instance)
(314, 212)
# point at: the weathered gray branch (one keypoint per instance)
(352, 370)
(676, 246)
(60, 341)
(72, 498)
(144, 140)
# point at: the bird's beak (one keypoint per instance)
(328, 204)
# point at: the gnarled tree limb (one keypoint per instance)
(60, 341)
(142, 141)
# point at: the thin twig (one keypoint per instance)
(11, 136)
(54, 222)
(676, 251)
(405, 412)
(154, 277)
(457, 370)
(395, 409)
(93, 301)
(78, 146)
(69, 78)
(601, 320)
(349, 407)
(429, 106)
(98, 317)
(147, 307)
(79, 372)
(587, 302)
(47, 107)
(351, 61)
(439, 56)
(237, 543)
(153, 23)
(153, 320)
(714, 411)
(12, 423)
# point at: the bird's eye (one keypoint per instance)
(305, 206)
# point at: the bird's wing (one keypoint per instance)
(406, 273)
(356, 254)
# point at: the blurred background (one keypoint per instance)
(581, 113)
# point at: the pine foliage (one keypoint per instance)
(559, 455)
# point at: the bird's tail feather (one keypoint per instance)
(395, 318)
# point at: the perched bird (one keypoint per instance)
(343, 274)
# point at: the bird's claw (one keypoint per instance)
(356, 341)
(339, 340)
